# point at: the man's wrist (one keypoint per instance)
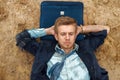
(81, 30)
(50, 30)
(47, 30)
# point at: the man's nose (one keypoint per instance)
(67, 36)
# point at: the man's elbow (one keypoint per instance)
(107, 28)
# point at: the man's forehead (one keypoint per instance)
(66, 27)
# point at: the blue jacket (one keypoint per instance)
(44, 50)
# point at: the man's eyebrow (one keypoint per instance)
(68, 32)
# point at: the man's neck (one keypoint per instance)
(67, 51)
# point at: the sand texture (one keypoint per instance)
(17, 15)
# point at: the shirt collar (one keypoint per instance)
(61, 51)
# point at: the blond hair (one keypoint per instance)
(65, 20)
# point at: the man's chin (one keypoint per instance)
(68, 47)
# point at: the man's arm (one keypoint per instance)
(26, 39)
(92, 28)
(37, 33)
(96, 36)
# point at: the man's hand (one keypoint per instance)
(50, 31)
(79, 30)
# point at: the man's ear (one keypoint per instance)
(76, 34)
(56, 36)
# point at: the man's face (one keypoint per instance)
(66, 36)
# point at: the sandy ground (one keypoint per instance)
(17, 15)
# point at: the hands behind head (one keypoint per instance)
(50, 30)
(79, 29)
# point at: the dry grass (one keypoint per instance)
(17, 15)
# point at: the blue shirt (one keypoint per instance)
(73, 69)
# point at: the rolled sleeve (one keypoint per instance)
(36, 33)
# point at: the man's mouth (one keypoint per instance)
(66, 42)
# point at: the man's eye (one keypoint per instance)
(62, 34)
(71, 34)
